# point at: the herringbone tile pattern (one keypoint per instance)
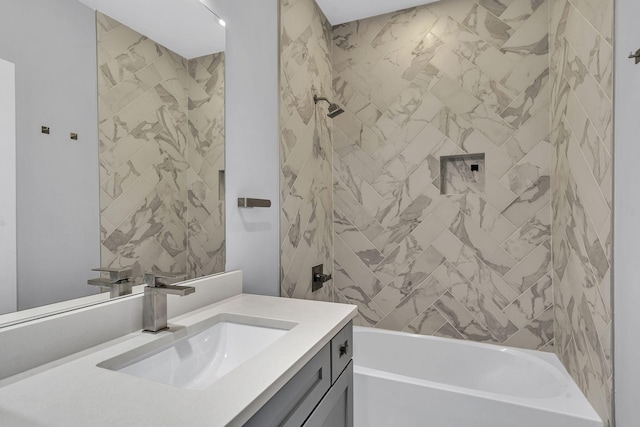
(160, 140)
(143, 126)
(450, 78)
(205, 153)
(581, 111)
(305, 149)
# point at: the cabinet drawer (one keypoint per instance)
(341, 351)
(291, 406)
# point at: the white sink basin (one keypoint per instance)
(209, 351)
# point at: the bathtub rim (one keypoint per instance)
(571, 401)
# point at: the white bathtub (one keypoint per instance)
(407, 380)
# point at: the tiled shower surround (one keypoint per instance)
(305, 150)
(161, 147)
(451, 78)
(582, 137)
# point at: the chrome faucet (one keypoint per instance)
(118, 283)
(154, 310)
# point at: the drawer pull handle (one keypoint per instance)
(344, 349)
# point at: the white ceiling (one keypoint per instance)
(186, 27)
(341, 11)
(181, 25)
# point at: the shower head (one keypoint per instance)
(334, 109)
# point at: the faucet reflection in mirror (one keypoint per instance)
(118, 282)
(161, 139)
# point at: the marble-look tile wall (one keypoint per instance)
(156, 137)
(450, 78)
(205, 153)
(581, 41)
(305, 149)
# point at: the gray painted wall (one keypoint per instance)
(8, 290)
(252, 160)
(58, 231)
(626, 233)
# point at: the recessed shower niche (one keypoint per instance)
(462, 174)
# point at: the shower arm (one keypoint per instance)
(334, 109)
(317, 99)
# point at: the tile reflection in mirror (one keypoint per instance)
(161, 147)
(159, 141)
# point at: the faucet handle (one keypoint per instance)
(172, 290)
(116, 275)
(151, 279)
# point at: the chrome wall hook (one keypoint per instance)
(635, 56)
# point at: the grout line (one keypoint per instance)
(588, 70)
(432, 306)
(291, 265)
(534, 216)
(526, 259)
(579, 191)
(588, 21)
(356, 230)
(518, 162)
(416, 286)
(547, 274)
(524, 91)
(480, 323)
(480, 38)
(537, 318)
(574, 87)
(363, 264)
(473, 286)
(489, 235)
(473, 222)
(345, 186)
(121, 140)
(586, 116)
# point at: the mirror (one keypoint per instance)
(118, 145)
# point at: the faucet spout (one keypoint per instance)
(154, 311)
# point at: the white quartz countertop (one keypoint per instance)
(75, 392)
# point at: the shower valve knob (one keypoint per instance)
(322, 278)
(318, 278)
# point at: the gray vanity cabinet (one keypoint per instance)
(336, 408)
(319, 395)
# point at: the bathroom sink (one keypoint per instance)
(198, 357)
